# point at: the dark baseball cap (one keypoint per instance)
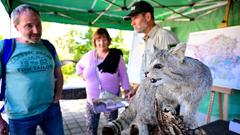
(139, 7)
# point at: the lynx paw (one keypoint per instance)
(191, 124)
(197, 131)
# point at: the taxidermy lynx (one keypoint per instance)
(172, 79)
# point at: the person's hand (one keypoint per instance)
(3, 127)
(130, 94)
(126, 92)
(82, 78)
(56, 99)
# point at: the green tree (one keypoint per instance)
(1, 37)
(84, 45)
(69, 48)
(118, 42)
(74, 44)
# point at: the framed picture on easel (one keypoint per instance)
(219, 49)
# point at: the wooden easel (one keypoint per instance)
(223, 108)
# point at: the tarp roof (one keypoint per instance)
(109, 13)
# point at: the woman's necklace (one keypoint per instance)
(101, 55)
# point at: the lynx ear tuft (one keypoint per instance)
(179, 51)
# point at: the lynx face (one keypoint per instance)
(157, 76)
(163, 68)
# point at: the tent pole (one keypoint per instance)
(101, 14)
(225, 20)
(222, 3)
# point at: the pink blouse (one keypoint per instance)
(110, 82)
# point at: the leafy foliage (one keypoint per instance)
(80, 49)
(118, 42)
(74, 44)
(69, 49)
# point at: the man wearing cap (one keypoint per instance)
(142, 20)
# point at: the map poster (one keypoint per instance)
(219, 49)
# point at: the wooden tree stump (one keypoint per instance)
(171, 124)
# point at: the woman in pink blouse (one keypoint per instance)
(102, 67)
